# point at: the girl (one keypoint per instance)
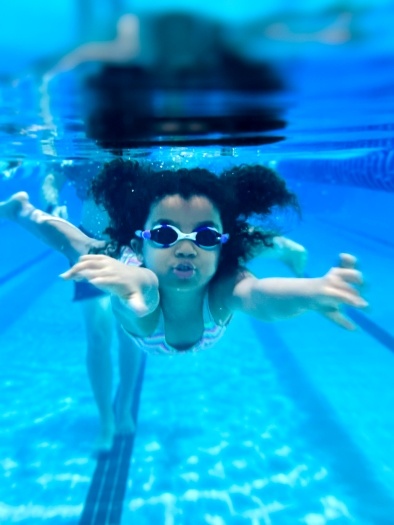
(175, 262)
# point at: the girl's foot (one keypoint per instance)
(125, 425)
(10, 208)
(294, 256)
(105, 439)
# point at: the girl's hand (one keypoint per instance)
(136, 287)
(339, 287)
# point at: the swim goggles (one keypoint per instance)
(166, 235)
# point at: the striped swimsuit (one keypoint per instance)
(156, 343)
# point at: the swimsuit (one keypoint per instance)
(156, 343)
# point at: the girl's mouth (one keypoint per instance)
(184, 270)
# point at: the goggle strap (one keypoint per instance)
(143, 234)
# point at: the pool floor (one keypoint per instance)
(244, 434)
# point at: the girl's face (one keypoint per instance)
(183, 266)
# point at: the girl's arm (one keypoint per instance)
(135, 290)
(281, 298)
(57, 233)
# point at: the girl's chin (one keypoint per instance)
(182, 284)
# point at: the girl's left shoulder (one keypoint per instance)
(221, 291)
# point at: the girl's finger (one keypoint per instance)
(93, 257)
(343, 286)
(81, 266)
(349, 275)
(346, 260)
(86, 274)
(68, 276)
(71, 273)
(350, 297)
(339, 319)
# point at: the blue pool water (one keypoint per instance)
(281, 423)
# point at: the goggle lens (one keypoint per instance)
(164, 235)
(207, 238)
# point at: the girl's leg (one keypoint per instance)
(18, 205)
(97, 312)
(129, 366)
(98, 319)
(59, 234)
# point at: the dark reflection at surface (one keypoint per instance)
(192, 89)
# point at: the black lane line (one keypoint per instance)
(121, 480)
(94, 489)
(373, 329)
(105, 498)
(114, 481)
(25, 266)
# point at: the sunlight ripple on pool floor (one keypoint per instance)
(186, 462)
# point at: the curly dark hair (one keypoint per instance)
(128, 189)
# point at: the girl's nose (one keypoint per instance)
(185, 248)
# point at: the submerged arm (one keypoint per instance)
(281, 298)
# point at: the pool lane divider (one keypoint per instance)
(22, 286)
(25, 266)
(373, 329)
(105, 498)
(348, 461)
